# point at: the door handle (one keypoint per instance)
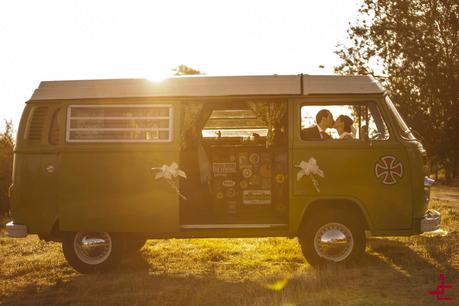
(50, 169)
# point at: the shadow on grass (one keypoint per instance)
(418, 274)
(439, 251)
(391, 266)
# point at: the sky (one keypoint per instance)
(68, 40)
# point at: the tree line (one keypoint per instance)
(412, 47)
(6, 165)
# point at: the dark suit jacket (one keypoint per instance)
(312, 133)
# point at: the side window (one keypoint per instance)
(342, 122)
(119, 123)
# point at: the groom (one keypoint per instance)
(324, 120)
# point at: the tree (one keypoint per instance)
(185, 70)
(414, 45)
(6, 165)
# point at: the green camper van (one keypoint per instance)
(103, 165)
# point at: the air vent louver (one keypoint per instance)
(37, 122)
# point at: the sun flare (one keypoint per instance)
(158, 76)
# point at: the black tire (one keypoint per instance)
(349, 238)
(93, 251)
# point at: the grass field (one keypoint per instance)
(268, 271)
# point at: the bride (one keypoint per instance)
(343, 126)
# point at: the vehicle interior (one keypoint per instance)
(236, 160)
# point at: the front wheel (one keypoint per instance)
(332, 237)
(89, 252)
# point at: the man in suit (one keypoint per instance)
(324, 120)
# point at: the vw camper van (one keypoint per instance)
(103, 165)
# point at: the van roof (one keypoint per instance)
(208, 86)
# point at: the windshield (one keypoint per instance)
(402, 126)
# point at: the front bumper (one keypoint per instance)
(16, 230)
(431, 221)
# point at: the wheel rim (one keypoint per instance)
(334, 242)
(92, 248)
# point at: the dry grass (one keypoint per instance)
(268, 271)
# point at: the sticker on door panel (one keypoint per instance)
(388, 169)
(223, 168)
(228, 183)
(254, 158)
(247, 172)
(251, 197)
(244, 160)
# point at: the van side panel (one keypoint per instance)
(112, 186)
(116, 191)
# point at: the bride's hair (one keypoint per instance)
(348, 122)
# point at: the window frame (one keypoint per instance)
(170, 127)
(402, 128)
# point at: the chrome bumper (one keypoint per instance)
(431, 221)
(16, 230)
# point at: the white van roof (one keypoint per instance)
(207, 86)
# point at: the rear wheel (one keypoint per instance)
(332, 237)
(89, 252)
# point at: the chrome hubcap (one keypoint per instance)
(92, 248)
(334, 242)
